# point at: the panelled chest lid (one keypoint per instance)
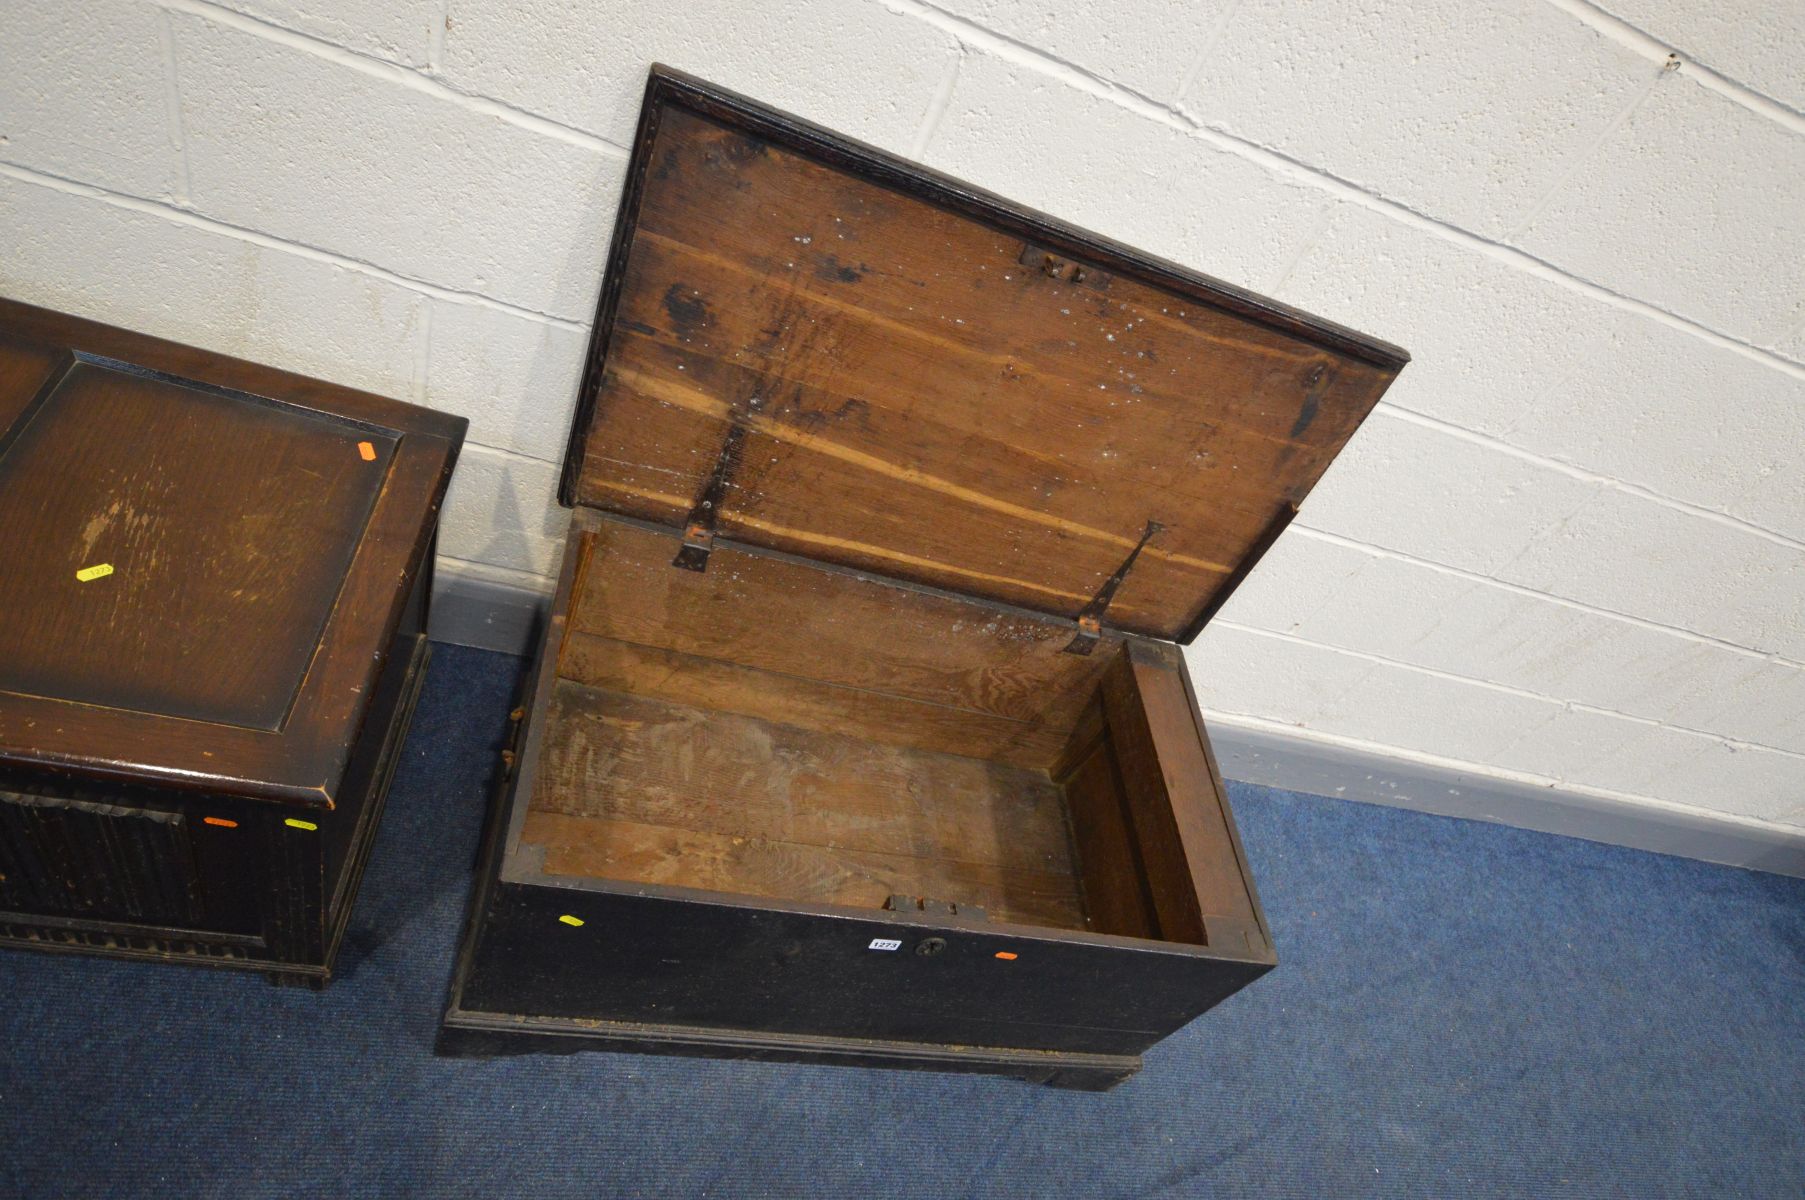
(204, 560)
(809, 345)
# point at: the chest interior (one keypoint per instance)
(779, 729)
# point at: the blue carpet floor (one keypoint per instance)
(1459, 1010)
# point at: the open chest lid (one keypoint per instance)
(809, 345)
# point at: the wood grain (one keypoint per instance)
(25, 367)
(260, 564)
(619, 757)
(644, 759)
(813, 623)
(917, 411)
(1175, 803)
(1116, 894)
(794, 871)
(806, 703)
(981, 424)
(229, 526)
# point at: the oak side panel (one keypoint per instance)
(1176, 802)
(1109, 862)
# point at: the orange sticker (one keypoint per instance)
(368, 451)
(221, 822)
(1006, 955)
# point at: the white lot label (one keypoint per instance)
(885, 944)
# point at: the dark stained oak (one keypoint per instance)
(260, 561)
(213, 601)
(228, 527)
(24, 367)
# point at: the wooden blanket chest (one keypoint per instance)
(860, 731)
(213, 591)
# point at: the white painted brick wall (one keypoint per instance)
(1470, 110)
(1149, 177)
(84, 90)
(180, 278)
(1692, 204)
(367, 162)
(514, 376)
(1569, 549)
(1755, 42)
(402, 31)
(868, 71)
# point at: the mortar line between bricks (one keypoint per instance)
(1510, 689)
(1657, 50)
(194, 220)
(1208, 50)
(421, 384)
(198, 220)
(1385, 552)
(1306, 244)
(1585, 475)
(942, 100)
(506, 452)
(1007, 47)
(1458, 572)
(1349, 543)
(435, 41)
(172, 94)
(1511, 256)
(1174, 116)
(1228, 717)
(1579, 161)
(392, 72)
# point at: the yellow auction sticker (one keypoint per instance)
(292, 823)
(570, 920)
(97, 571)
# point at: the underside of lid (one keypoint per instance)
(810, 345)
